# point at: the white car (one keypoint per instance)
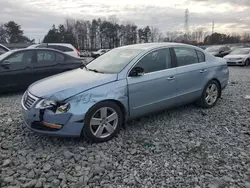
(99, 53)
(3, 49)
(64, 47)
(239, 56)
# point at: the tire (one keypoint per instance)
(247, 62)
(107, 129)
(203, 102)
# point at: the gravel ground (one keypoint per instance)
(183, 147)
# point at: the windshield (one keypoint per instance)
(114, 60)
(240, 51)
(213, 49)
(5, 55)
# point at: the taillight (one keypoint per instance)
(78, 53)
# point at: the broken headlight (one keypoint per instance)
(63, 108)
(43, 104)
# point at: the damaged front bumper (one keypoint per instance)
(47, 122)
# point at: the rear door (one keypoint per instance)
(191, 73)
(45, 64)
(16, 70)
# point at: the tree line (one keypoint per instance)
(109, 33)
(11, 32)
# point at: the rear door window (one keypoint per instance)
(45, 56)
(185, 56)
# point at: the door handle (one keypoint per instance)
(203, 71)
(170, 78)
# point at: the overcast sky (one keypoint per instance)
(37, 16)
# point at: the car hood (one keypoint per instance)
(234, 56)
(64, 85)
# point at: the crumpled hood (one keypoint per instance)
(235, 56)
(67, 84)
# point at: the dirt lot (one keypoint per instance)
(183, 147)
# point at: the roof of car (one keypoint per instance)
(26, 49)
(149, 46)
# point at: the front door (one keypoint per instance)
(15, 70)
(191, 74)
(156, 89)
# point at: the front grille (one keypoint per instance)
(29, 100)
(231, 63)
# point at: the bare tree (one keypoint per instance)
(154, 34)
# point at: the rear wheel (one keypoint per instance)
(102, 122)
(210, 95)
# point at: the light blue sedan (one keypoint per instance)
(125, 83)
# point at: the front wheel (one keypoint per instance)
(210, 95)
(102, 122)
(247, 62)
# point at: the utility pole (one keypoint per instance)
(186, 23)
(213, 27)
(212, 40)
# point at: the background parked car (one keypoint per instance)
(20, 68)
(239, 56)
(3, 49)
(63, 47)
(218, 51)
(85, 53)
(99, 53)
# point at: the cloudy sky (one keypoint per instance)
(37, 16)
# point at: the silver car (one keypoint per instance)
(124, 83)
(239, 56)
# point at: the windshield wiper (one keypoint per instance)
(84, 66)
(94, 70)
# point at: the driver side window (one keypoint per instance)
(20, 57)
(155, 61)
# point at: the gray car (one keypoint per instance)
(123, 84)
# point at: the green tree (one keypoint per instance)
(53, 36)
(14, 33)
(3, 34)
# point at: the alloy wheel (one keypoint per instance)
(104, 122)
(211, 94)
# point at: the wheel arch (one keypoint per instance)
(218, 82)
(119, 104)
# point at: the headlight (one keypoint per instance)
(238, 59)
(63, 108)
(43, 104)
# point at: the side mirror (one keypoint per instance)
(5, 63)
(137, 71)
